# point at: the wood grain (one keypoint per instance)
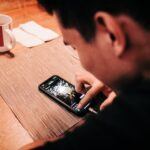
(12, 134)
(20, 77)
(13, 4)
(26, 114)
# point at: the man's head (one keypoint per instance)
(110, 36)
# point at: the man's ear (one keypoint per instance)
(114, 30)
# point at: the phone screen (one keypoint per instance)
(63, 91)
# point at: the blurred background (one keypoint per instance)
(22, 11)
(7, 5)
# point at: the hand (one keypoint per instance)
(96, 86)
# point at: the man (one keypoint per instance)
(112, 38)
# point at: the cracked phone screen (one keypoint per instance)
(64, 91)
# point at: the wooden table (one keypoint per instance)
(26, 114)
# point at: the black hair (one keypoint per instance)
(80, 13)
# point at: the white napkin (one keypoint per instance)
(37, 30)
(26, 39)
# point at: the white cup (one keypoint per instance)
(7, 40)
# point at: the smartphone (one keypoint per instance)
(64, 93)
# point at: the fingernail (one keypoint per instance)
(79, 106)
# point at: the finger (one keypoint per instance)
(79, 83)
(107, 90)
(108, 101)
(89, 95)
(79, 87)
